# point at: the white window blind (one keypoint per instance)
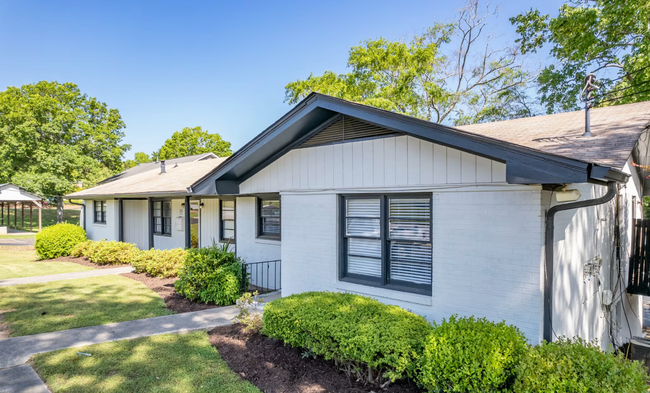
(410, 235)
(363, 228)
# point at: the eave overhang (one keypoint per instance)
(523, 165)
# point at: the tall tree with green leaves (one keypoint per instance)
(191, 141)
(454, 72)
(53, 136)
(139, 158)
(610, 38)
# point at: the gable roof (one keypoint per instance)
(12, 193)
(615, 129)
(524, 164)
(147, 166)
(177, 180)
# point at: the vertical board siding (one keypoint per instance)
(136, 223)
(385, 162)
(209, 221)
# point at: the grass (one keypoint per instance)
(48, 217)
(69, 304)
(30, 236)
(19, 261)
(164, 363)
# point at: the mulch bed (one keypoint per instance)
(82, 261)
(275, 368)
(164, 287)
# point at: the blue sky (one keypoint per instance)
(220, 65)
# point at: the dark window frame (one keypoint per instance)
(260, 227)
(162, 217)
(222, 239)
(382, 282)
(102, 208)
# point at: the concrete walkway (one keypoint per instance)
(65, 276)
(17, 242)
(17, 350)
(21, 379)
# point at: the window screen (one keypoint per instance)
(100, 212)
(387, 241)
(228, 221)
(269, 217)
(162, 217)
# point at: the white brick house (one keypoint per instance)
(441, 220)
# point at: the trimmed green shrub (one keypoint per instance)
(210, 275)
(58, 240)
(107, 253)
(471, 355)
(576, 366)
(369, 340)
(159, 263)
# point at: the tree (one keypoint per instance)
(610, 38)
(191, 141)
(52, 136)
(469, 82)
(139, 158)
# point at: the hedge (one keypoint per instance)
(210, 275)
(159, 263)
(368, 339)
(471, 355)
(107, 253)
(58, 240)
(576, 366)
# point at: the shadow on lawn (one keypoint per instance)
(71, 304)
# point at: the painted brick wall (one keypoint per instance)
(486, 255)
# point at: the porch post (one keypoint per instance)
(40, 218)
(16, 215)
(22, 216)
(120, 220)
(31, 224)
(188, 229)
(150, 212)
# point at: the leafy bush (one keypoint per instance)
(471, 355)
(159, 263)
(250, 311)
(58, 240)
(370, 340)
(575, 366)
(107, 253)
(210, 275)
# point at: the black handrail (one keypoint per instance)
(264, 276)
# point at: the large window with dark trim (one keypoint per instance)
(386, 241)
(227, 220)
(162, 217)
(100, 212)
(268, 218)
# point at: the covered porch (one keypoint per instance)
(11, 194)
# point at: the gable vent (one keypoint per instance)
(347, 129)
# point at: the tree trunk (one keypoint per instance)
(59, 209)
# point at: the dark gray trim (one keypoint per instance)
(150, 214)
(226, 187)
(120, 221)
(162, 217)
(188, 224)
(549, 245)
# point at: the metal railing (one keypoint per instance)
(263, 277)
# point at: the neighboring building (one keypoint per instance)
(436, 219)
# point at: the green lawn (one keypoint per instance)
(69, 304)
(164, 363)
(30, 236)
(48, 217)
(18, 262)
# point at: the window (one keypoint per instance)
(228, 221)
(268, 218)
(386, 241)
(100, 212)
(162, 218)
